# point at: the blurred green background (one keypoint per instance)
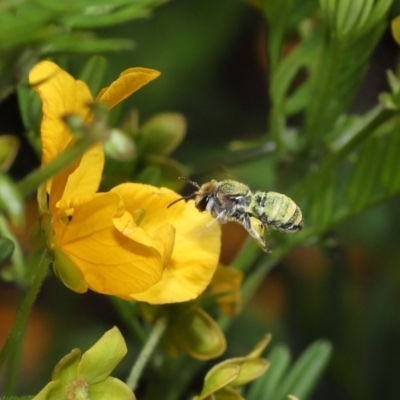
(342, 286)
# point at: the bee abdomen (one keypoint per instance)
(278, 211)
(295, 222)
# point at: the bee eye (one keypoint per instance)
(202, 204)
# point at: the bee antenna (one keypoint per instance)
(189, 181)
(181, 198)
(185, 197)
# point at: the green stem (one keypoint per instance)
(129, 316)
(31, 182)
(13, 366)
(25, 309)
(147, 350)
(255, 278)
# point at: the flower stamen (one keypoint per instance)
(78, 389)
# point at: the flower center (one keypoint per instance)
(78, 389)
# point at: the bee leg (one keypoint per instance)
(210, 204)
(255, 228)
(221, 218)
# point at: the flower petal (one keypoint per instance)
(61, 94)
(86, 178)
(111, 389)
(67, 368)
(128, 82)
(111, 262)
(99, 361)
(54, 390)
(197, 242)
(220, 378)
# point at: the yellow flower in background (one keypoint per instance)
(226, 284)
(124, 242)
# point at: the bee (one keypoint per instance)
(230, 200)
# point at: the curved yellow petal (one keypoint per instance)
(87, 176)
(111, 262)
(197, 242)
(161, 239)
(128, 82)
(61, 94)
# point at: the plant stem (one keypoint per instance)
(147, 350)
(14, 361)
(25, 309)
(129, 316)
(247, 256)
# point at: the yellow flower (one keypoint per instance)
(124, 242)
(87, 375)
(225, 285)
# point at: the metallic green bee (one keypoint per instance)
(230, 200)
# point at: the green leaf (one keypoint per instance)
(281, 82)
(123, 14)
(301, 56)
(10, 199)
(364, 14)
(379, 12)
(265, 386)
(321, 207)
(390, 176)
(334, 192)
(277, 14)
(30, 106)
(84, 43)
(298, 100)
(346, 14)
(341, 66)
(305, 373)
(364, 178)
(9, 145)
(93, 73)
